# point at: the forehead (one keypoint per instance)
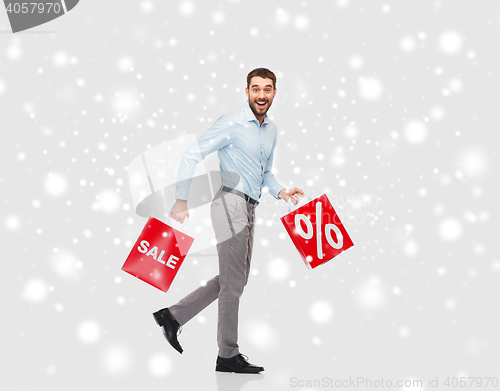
(258, 81)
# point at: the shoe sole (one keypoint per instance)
(220, 368)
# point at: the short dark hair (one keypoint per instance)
(262, 72)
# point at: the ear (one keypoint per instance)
(274, 92)
(246, 92)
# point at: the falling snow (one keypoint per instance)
(389, 109)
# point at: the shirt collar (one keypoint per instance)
(251, 116)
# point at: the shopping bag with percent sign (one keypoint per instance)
(316, 231)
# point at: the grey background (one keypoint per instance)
(417, 295)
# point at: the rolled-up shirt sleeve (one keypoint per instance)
(217, 136)
(269, 180)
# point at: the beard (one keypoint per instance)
(257, 110)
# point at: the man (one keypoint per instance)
(245, 140)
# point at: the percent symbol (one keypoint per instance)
(310, 231)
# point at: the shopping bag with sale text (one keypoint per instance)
(158, 254)
(316, 231)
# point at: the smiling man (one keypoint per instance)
(260, 93)
(245, 140)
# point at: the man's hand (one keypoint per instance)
(294, 193)
(179, 211)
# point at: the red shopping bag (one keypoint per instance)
(158, 254)
(317, 232)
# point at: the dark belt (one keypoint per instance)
(239, 193)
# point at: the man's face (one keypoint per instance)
(260, 95)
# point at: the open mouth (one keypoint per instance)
(261, 104)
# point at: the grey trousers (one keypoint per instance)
(233, 222)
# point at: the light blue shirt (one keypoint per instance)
(244, 147)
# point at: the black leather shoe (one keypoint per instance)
(236, 364)
(170, 327)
